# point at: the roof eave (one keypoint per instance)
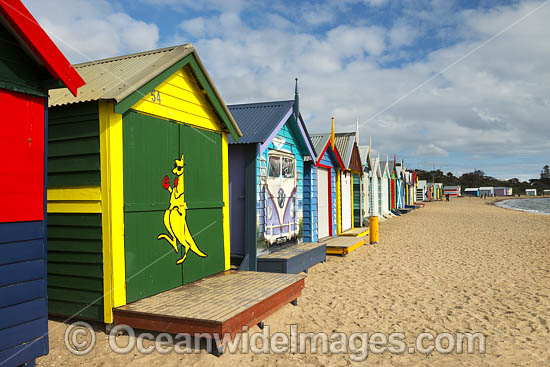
(35, 38)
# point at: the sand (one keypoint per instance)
(450, 267)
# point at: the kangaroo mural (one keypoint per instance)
(175, 216)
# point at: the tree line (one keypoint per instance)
(478, 178)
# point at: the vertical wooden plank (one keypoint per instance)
(205, 182)
(150, 146)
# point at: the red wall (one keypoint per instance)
(22, 157)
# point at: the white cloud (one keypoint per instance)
(402, 34)
(431, 150)
(491, 105)
(375, 2)
(86, 30)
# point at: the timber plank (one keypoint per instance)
(221, 303)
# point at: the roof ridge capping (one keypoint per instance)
(258, 104)
(136, 54)
(107, 80)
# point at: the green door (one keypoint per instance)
(204, 198)
(151, 147)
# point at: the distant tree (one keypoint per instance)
(479, 173)
(545, 174)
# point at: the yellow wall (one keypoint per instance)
(112, 194)
(181, 100)
(74, 199)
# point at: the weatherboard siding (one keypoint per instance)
(75, 254)
(18, 72)
(73, 145)
(75, 270)
(181, 99)
(23, 315)
(290, 145)
(310, 203)
(326, 161)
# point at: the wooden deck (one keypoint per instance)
(343, 245)
(356, 232)
(216, 305)
(293, 259)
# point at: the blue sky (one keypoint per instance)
(374, 60)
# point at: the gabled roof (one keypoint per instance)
(126, 79)
(386, 167)
(321, 143)
(376, 165)
(37, 44)
(349, 151)
(344, 144)
(366, 158)
(363, 153)
(260, 122)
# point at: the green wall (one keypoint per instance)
(18, 71)
(75, 270)
(73, 145)
(75, 260)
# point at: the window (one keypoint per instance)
(288, 168)
(274, 166)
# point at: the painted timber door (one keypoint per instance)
(345, 195)
(357, 204)
(164, 163)
(323, 202)
(22, 151)
(281, 191)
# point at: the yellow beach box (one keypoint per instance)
(137, 182)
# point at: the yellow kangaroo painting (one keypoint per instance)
(175, 216)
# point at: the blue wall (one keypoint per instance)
(23, 307)
(310, 202)
(329, 159)
(292, 144)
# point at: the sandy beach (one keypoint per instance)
(462, 266)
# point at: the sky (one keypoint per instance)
(454, 85)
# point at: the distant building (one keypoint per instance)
(488, 191)
(471, 191)
(421, 190)
(531, 192)
(452, 191)
(546, 192)
(503, 191)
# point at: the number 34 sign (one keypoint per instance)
(155, 96)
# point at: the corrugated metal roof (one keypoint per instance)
(319, 142)
(363, 153)
(258, 120)
(118, 77)
(344, 145)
